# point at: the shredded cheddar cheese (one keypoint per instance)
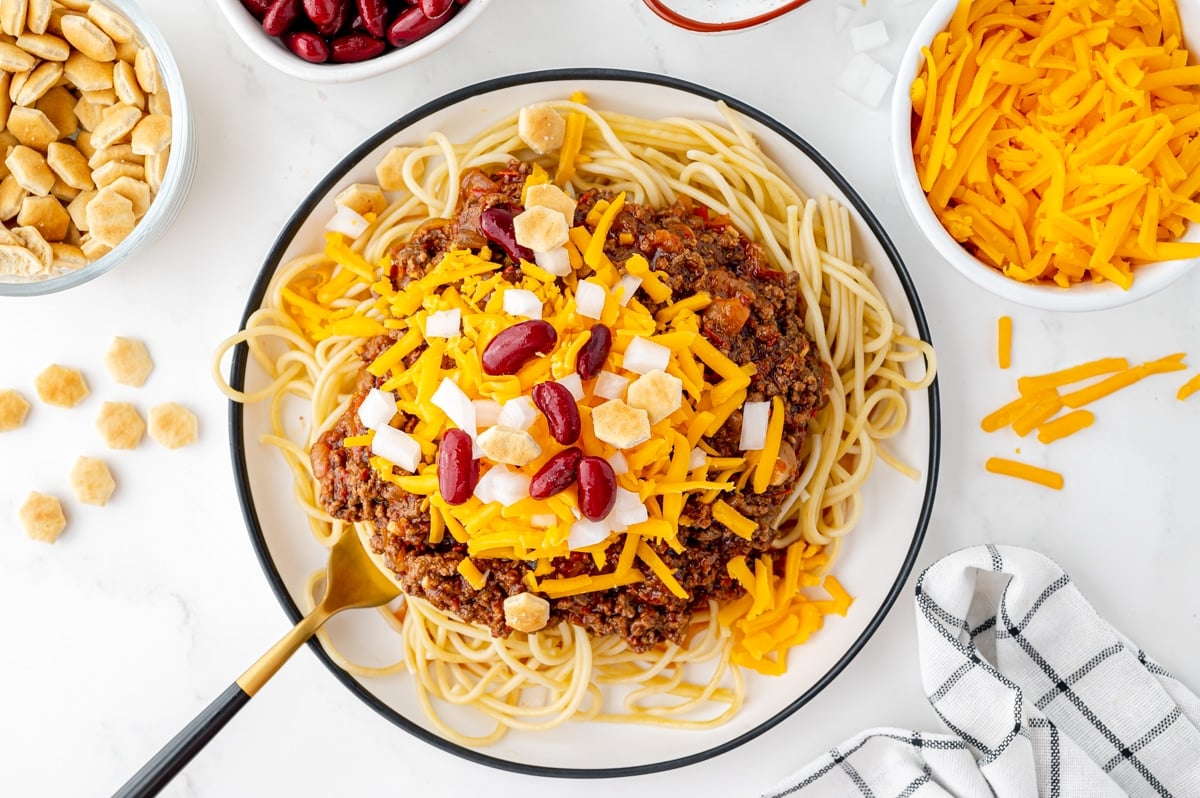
(1057, 141)
(1004, 342)
(658, 469)
(1056, 379)
(777, 613)
(1040, 398)
(1011, 468)
(662, 472)
(1188, 388)
(572, 143)
(469, 571)
(1122, 379)
(1064, 426)
(739, 524)
(1040, 401)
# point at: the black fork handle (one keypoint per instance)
(174, 756)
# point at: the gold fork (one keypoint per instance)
(352, 581)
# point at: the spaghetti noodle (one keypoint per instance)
(320, 308)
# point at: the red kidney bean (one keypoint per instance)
(411, 25)
(258, 8)
(497, 224)
(516, 346)
(321, 12)
(591, 357)
(558, 474)
(307, 45)
(562, 414)
(338, 23)
(281, 16)
(597, 488)
(435, 8)
(355, 47)
(374, 16)
(457, 471)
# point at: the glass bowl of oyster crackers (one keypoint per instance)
(98, 146)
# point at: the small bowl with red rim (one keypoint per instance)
(337, 41)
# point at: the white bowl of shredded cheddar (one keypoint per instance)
(1057, 169)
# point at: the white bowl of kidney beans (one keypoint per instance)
(336, 41)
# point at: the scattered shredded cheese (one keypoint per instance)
(1066, 425)
(1011, 468)
(1040, 399)
(1004, 342)
(1122, 379)
(1188, 388)
(1056, 379)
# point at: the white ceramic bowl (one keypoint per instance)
(271, 50)
(1148, 278)
(180, 169)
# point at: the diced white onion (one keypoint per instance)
(556, 261)
(543, 520)
(519, 302)
(643, 356)
(347, 222)
(518, 413)
(589, 299)
(865, 80)
(485, 487)
(398, 447)
(754, 425)
(699, 457)
(476, 451)
(457, 406)
(511, 487)
(868, 37)
(487, 412)
(573, 383)
(629, 508)
(377, 409)
(443, 324)
(626, 287)
(841, 17)
(877, 86)
(619, 464)
(610, 385)
(586, 533)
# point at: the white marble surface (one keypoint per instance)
(145, 609)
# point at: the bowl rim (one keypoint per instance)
(180, 167)
(274, 53)
(236, 421)
(1150, 278)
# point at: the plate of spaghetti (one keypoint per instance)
(625, 386)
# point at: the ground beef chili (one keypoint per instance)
(755, 317)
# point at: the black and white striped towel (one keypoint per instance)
(1043, 698)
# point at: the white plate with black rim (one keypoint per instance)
(874, 562)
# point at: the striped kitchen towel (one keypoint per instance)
(1042, 696)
